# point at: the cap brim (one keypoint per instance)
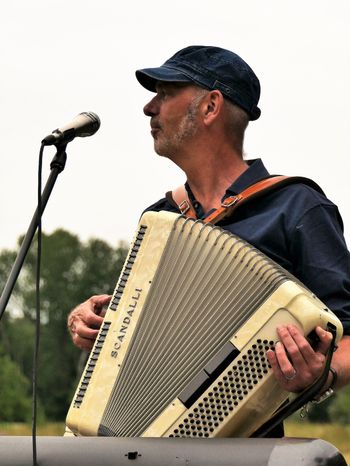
(149, 77)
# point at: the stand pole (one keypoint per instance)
(57, 165)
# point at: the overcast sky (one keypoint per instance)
(62, 58)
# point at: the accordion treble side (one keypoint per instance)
(182, 348)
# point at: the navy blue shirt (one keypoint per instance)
(297, 227)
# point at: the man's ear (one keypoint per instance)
(213, 104)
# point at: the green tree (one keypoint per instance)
(71, 271)
(15, 399)
(17, 337)
(7, 258)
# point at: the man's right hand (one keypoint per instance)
(85, 320)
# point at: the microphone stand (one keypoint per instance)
(57, 166)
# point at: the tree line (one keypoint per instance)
(71, 271)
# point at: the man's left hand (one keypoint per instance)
(295, 363)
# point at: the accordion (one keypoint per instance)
(182, 348)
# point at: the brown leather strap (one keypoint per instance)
(180, 196)
(231, 203)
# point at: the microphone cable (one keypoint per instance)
(37, 310)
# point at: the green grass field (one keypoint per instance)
(335, 434)
(49, 429)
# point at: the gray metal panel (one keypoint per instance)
(108, 451)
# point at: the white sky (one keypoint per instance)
(62, 58)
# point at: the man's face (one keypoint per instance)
(173, 113)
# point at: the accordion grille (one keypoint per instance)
(226, 396)
(208, 283)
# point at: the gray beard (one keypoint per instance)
(186, 130)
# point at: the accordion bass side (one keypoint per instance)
(182, 349)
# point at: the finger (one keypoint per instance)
(307, 363)
(100, 300)
(314, 359)
(325, 340)
(287, 368)
(271, 356)
(289, 350)
(85, 332)
(286, 381)
(305, 348)
(92, 320)
(83, 343)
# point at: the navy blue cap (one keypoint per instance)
(211, 68)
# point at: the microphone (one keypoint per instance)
(84, 124)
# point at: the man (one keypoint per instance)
(204, 99)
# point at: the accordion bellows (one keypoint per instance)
(182, 349)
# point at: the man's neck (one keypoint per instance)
(211, 165)
(210, 179)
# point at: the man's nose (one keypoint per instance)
(151, 108)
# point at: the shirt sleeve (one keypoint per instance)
(322, 260)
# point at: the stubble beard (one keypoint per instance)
(170, 145)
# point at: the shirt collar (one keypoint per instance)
(256, 171)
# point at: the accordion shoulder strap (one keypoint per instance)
(258, 189)
(179, 198)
